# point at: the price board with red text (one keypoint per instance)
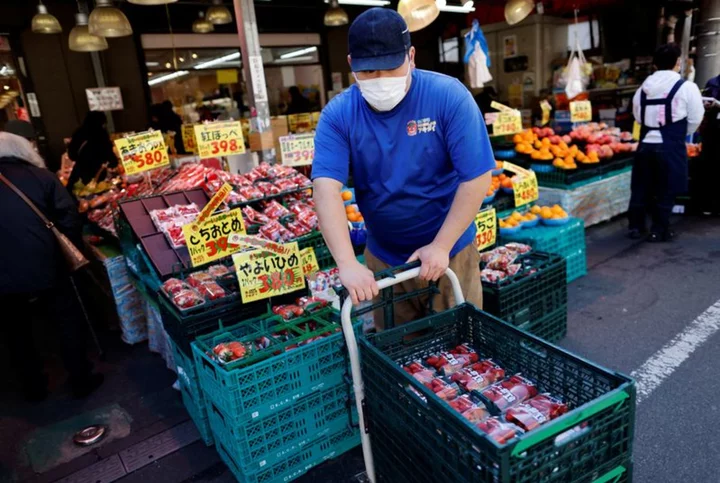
(215, 139)
(297, 149)
(142, 152)
(580, 111)
(485, 229)
(309, 262)
(208, 241)
(525, 189)
(264, 273)
(188, 137)
(507, 122)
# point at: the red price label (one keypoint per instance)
(224, 147)
(142, 152)
(485, 229)
(277, 281)
(525, 189)
(262, 273)
(297, 150)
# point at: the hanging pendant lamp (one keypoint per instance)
(202, 25)
(151, 2)
(218, 14)
(336, 16)
(517, 10)
(418, 14)
(108, 21)
(81, 40)
(44, 23)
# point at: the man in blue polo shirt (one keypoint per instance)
(420, 160)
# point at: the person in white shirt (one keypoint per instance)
(668, 109)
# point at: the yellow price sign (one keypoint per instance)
(214, 203)
(223, 138)
(263, 273)
(292, 120)
(636, 131)
(308, 261)
(297, 149)
(142, 152)
(580, 111)
(507, 122)
(525, 188)
(188, 137)
(546, 109)
(485, 229)
(208, 241)
(315, 118)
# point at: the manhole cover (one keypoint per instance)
(89, 435)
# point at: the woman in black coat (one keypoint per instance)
(33, 271)
(90, 148)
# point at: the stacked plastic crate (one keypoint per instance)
(285, 406)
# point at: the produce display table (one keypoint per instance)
(594, 202)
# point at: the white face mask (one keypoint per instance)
(384, 93)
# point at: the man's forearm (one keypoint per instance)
(467, 202)
(333, 220)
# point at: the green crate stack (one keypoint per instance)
(567, 240)
(260, 442)
(282, 409)
(192, 394)
(417, 437)
(295, 465)
(536, 302)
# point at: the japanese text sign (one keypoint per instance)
(580, 111)
(214, 203)
(308, 261)
(104, 99)
(188, 138)
(263, 274)
(298, 149)
(485, 228)
(142, 152)
(525, 185)
(507, 122)
(208, 241)
(216, 139)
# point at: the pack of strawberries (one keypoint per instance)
(502, 406)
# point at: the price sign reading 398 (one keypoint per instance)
(217, 139)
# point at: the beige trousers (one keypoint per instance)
(465, 264)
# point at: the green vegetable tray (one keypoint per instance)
(293, 466)
(199, 416)
(192, 395)
(268, 380)
(527, 300)
(419, 438)
(265, 441)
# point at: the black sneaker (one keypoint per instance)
(82, 389)
(661, 237)
(637, 234)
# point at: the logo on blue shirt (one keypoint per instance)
(421, 126)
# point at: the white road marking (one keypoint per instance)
(664, 362)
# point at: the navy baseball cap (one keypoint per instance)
(378, 40)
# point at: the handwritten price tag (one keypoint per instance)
(188, 138)
(485, 229)
(142, 152)
(297, 149)
(209, 241)
(525, 188)
(309, 261)
(263, 274)
(214, 203)
(507, 122)
(580, 111)
(219, 139)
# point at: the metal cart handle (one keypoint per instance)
(351, 342)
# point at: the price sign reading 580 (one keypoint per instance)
(217, 139)
(142, 152)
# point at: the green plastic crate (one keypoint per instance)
(564, 179)
(198, 415)
(525, 301)
(183, 327)
(314, 239)
(592, 440)
(244, 391)
(265, 441)
(576, 265)
(323, 449)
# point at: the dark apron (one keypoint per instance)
(674, 162)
